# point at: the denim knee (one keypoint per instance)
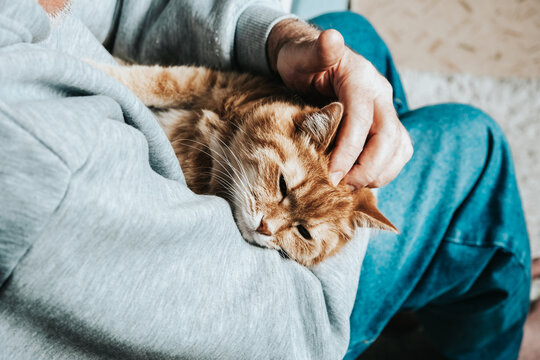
(469, 117)
(456, 122)
(470, 130)
(460, 116)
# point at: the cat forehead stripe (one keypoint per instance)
(267, 153)
(294, 172)
(270, 145)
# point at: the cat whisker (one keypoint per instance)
(212, 173)
(226, 189)
(226, 176)
(226, 160)
(251, 190)
(239, 170)
(240, 164)
(209, 148)
(238, 127)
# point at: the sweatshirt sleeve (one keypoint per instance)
(252, 30)
(215, 33)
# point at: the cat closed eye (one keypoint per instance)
(282, 186)
(303, 231)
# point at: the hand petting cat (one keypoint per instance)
(372, 146)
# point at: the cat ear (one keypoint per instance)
(366, 213)
(322, 125)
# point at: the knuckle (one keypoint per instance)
(354, 182)
(392, 131)
(408, 149)
(377, 183)
(368, 177)
(387, 87)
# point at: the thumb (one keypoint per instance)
(330, 48)
(321, 54)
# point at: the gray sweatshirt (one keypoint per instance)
(104, 251)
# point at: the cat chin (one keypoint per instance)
(263, 240)
(243, 223)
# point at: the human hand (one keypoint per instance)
(372, 146)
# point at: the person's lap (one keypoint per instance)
(462, 259)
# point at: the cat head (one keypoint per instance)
(281, 192)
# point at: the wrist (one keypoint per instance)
(285, 32)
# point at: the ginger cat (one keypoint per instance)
(253, 142)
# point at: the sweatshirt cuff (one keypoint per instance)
(252, 30)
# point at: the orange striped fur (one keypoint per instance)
(253, 142)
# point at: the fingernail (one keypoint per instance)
(335, 177)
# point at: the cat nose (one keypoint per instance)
(263, 228)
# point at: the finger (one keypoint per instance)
(352, 135)
(397, 161)
(378, 151)
(365, 171)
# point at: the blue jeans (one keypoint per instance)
(462, 260)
